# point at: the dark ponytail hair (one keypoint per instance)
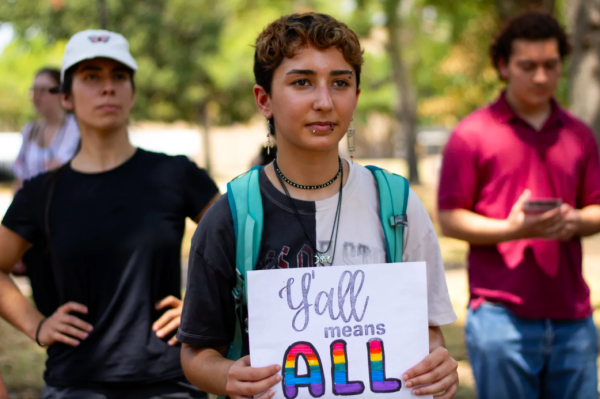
(54, 175)
(50, 183)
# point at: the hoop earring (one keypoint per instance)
(269, 144)
(351, 133)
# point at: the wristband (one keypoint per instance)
(37, 333)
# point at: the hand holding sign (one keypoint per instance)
(438, 372)
(244, 381)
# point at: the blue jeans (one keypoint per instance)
(515, 358)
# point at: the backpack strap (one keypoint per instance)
(245, 203)
(393, 199)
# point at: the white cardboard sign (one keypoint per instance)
(339, 331)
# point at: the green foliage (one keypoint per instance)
(463, 78)
(191, 53)
(175, 43)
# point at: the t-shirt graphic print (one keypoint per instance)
(360, 238)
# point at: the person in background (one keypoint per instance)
(53, 138)
(520, 182)
(48, 142)
(112, 220)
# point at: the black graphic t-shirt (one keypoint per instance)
(115, 247)
(208, 314)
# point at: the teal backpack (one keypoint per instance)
(245, 202)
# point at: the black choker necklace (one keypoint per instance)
(291, 183)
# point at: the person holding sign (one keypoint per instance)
(521, 183)
(316, 210)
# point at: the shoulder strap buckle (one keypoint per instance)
(397, 220)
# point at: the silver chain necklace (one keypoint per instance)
(321, 258)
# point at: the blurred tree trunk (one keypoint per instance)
(406, 108)
(508, 8)
(103, 13)
(584, 74)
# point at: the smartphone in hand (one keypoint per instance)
(539, 206)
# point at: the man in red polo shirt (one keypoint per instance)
(529, 329)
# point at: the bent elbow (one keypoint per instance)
(445, 222)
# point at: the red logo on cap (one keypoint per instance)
(98, 39)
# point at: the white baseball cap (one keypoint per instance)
(90, 44)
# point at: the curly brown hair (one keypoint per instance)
(282, 38)
(533, 26)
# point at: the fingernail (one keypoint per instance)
(90, 329)
(271, 394)
(85, 336)
(159, 334)
(278, 378)
(409, 384)
(417, 392)
(278, 368)
(154, 328)
(405, 377)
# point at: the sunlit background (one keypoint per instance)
(426, 67)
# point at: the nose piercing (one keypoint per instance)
(314, 131)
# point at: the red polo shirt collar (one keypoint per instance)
(503, 112)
